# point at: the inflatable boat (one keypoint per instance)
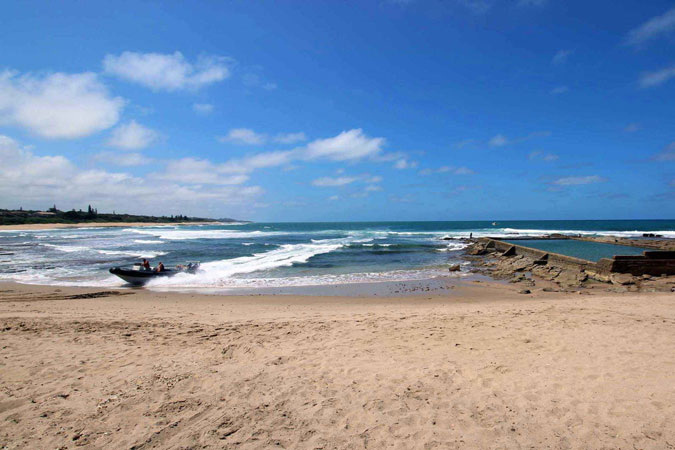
(138, 276)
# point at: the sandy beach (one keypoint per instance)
(480, 367)
(55, 226)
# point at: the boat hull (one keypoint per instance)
(139, 277)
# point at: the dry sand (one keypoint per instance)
(481, 368)
(53, 226)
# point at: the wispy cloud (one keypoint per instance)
(579, 180)
(132, 136)
(57, 105)
(246, 136)
(203, 108)
(532, 2)
(290, 138)
(167, 71)
(632, 127)
(243, 136)
(559, 90)
(655, 27)
(561, 57)
(498, 141)
(402, 164)
(667, 154)
(542, 156)
(447, 169)
(345, 180)
(651, 79)
(333, 182)
(476, 6)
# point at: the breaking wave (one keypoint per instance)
(215, 273)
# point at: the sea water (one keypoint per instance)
(267, 255)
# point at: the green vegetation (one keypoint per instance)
(53, 215)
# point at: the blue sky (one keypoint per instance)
(389, 110)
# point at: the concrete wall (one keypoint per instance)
(652, 262)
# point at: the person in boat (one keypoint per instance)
(160, 267)
(145, 265)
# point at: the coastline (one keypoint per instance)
(479, 367)
(54, 226)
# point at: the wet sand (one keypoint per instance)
(54, 226)
(477, 367)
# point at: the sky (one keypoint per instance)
(341, 111)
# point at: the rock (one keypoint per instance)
(622, 279)
(454, 268)
(476, 250)
(525, 291)
(646, 276)
(518, 278)
(550, 289)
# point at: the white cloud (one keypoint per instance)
(538, 155)
(345, 180)
(463, 171)
(57, 105)
(169, 72)
(334, 197)
(350, 145)
(447, 169)
(123, 159)
(402, 164)
(373, 188)
(561, 57)
(243, 136)
(559, 90)
(651, 79)
(347, 146)
(498, 141)
(246, 136)
(34, 181)
(667, 154)
(290, 138)
(574, 181)
(203, 108)
(132, 136)
(655, 27)
(332, 182)
(258, 161)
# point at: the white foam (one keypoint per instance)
(144, 241)
(67, 248)
(217, 273)
(134, 253)
(183, 235)
(323, 280)
(453, 247)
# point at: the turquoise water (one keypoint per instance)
(591, 251)
(257, 255)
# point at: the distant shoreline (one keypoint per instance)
(51, 226)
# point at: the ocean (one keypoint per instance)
(252, 257)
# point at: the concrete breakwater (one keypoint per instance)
(653, 270)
